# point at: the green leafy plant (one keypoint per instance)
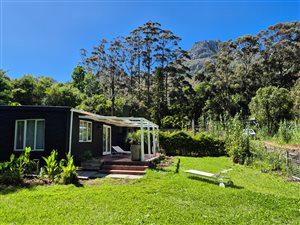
(184, 143)
(52, 166)
(68, 173)
(134, 138)
(13, 171)
(285, 133)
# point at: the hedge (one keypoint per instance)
(186, 144)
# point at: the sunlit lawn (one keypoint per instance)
(161, 197)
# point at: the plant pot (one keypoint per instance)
(135, 152)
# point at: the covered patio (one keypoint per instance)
(133, 122)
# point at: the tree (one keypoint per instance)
(78, 76)
(281, 54)
(100, 105)
(295, 93)
(270, 106)
(63, 95)
(30, 90)
(159, 107)
(5, 88)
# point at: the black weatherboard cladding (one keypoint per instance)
(56, 128)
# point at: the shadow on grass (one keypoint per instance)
(209, 181)
(28, 184)
(9, 189)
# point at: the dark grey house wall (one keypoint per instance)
(57, 126)
(56, 129)
(95, 147)
(119, 135)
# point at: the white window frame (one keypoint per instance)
(107, 147)
(87, 126)
(24, 135)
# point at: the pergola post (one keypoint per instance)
(142, 140)
(154, 141)
(149, 141)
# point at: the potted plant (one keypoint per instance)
(134, 138)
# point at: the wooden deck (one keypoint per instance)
(125, 159)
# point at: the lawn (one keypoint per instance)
(161, 197)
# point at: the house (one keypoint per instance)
(44, 128)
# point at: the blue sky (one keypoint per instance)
(45, 37)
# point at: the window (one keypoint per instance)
(30, 133)
(85, 131)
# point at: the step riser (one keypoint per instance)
(123, 167)
(122, 172)
(137, 163)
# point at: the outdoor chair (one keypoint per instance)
(119, 150)
(220, 177)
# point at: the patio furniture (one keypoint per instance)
(220, 177)
(119, 150)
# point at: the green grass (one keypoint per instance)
(161, 197)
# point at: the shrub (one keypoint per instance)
(68, 173)
(268, 160)
(13, 171)
(86, 155)
(177, 122)
(52, 167)
(184, 143)
(285, 133)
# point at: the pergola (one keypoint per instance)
(131, 122)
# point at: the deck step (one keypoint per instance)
(129, 172)
(124, 167)
(131, 163)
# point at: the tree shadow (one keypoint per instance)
(209, 181)
(9, 189)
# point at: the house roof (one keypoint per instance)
(35, 108)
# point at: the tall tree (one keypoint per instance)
(149, 33)
(78, 76)
(281, 54)
(5, 88)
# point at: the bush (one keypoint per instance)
(68, 173)
(184, 143)
(14, 170)
(52, 167)
(177, 122)
(268, 160)
(285, 133)
(61, 172)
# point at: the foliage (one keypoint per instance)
(238, 145)
(295, 93)
(268, 160)
(184, 143)
(284, 132)
(86, 155)
(271, 105)
(52, 166)
(256, 198)
(78, 76)
(5, 88)
(176, 121)
(101, 105)
(68, 173)
(29, 90)
(63, 95)
(13, 171)
(134, 138)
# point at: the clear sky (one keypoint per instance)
(45, 37)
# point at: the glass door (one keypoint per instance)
(106, 140)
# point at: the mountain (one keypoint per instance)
(200, 52)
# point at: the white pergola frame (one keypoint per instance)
(131, 122)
